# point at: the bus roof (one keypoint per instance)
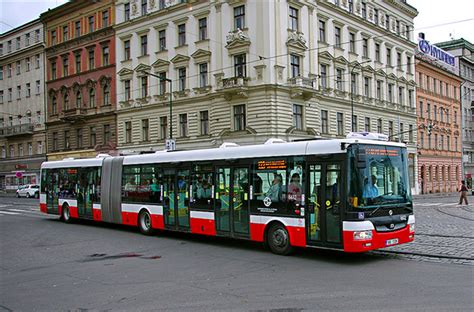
(317, 147)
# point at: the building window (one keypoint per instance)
(27, 39)
(240, 67)
(401, 97)
(78, 62)
(390, 129)
(126, 50)
(18, 92)
(144, 7)
(354, 123)
(92, 97)
(145, 129)
(377, 52)
(126, 11)
(337, 37)
(93, 137)
(106, 133)
(298, 116)
(352, 46)
(54, 106)
(91, 24)
(295, 65)
(182, 78)
(340, 124)
(367, 124)
(365, 47)
(410, 133)
(293, 19)
(30, 149)
(144, 45)
(67, 139)
(28, 90)
(18, 67)
(162, 4)
(163, 127)
(53, 37)
(339, 82)
(409, 70)
(203, 28)
(410, 98)
(20, 149)
(77, 29)
(106, 94)
(37, 60)
(162, 39)
(65, 33)
(322, 31)
(364, 10)
(127, 90)
(422, 140)
(351, 6)
(144, 86)
(421, 109)
(1, 102)
(105, 56)
(239, 17)
(66, 101)
(324, 122)
(65, 66)
(203, 75)
(376, 16)
(37, 35)
(379, 125)
(389, 57)
(399, 60)
(91, 59)
(390, 92)
(10, 96)
(366, 86)
(162, 84)
(105, 18)
(28, 64)
(181, 34)
(78, 99)
(128, 132)
(354, 87)
(239, 117)
(324, 77)
(204, 117)
(55, 141)
(183, 125)
(79, 138)
(9, 70)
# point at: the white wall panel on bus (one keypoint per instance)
(91, 162)
(296, 222)
(135, 208)
(357, 226)
(207, 215)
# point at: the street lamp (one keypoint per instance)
(170, 145)
(352, 92)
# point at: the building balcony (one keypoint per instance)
(73, 114)
(302, 87)
(234, 87)
(17, 130)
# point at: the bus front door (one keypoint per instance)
(232, 201)
(86, 191)
(176, 198)
(52, 192)
(324, 204)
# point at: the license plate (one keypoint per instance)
(391, 242)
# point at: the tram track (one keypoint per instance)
(454, 215)
(421, 254)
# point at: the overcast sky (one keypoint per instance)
(446, 14)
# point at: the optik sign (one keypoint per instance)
(432, 51)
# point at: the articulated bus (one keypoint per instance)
(346, 194)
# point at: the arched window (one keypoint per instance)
(78, 99)
(91, 97)
(106, 94)
(66, 101)
(54, 106)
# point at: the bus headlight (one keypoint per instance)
(412, 227)
(363, 235)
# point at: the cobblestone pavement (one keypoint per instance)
(444, 232)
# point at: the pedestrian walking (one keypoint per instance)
(463, 191)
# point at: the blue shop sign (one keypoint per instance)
(432, 50)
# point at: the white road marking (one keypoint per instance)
(8, 212)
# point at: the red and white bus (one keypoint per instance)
(346, 194)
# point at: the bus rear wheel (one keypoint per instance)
(144, 223)
(66, 214)
(278, 240)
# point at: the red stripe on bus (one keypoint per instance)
(43, 208)
(257, 232)
(157, 221)
(203, 226)
(97, 214)
(73, 211)
(297, 236)
(379, 240)
(130, 218)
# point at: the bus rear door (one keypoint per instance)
(176, 194)
(52, 190)
(324, 203)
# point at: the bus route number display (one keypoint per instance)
(271, 164)
(382, 152)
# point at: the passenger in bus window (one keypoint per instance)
(131, 184)
(155, 191)
(370, 190)
(204, 190)
(274, 193)
(181, 184)
(294, 188)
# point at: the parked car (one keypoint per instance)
(28, 191)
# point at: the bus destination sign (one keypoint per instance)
(382, 152)
(271, 164)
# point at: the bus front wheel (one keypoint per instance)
(144, 222)
(278, 240)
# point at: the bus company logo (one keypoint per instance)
(392, 226)
(267, 201)
(390, 212)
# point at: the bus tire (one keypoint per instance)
(66, 214)
(278, 240)
(144, 222)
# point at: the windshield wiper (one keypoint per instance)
(375, 210)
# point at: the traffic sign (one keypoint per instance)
(170, 144)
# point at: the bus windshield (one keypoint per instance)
(378, 177)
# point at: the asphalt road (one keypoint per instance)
(47, 265)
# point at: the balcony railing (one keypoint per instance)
(24, 129)
(234, 82)
(301, 82)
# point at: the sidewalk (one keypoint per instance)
(436, 195)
